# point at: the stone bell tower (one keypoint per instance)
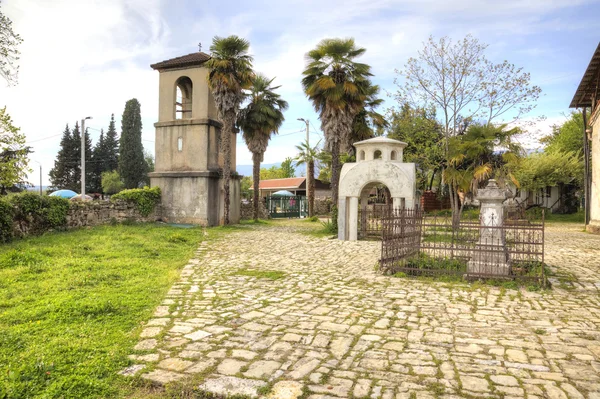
(187, 165)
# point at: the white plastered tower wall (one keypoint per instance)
(187, 162)
(379, 161)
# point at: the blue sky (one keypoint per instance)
(87, 57)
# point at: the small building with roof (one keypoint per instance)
(588, 96)
(295, 185)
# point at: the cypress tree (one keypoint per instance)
(98, 164)
(89, 166)
(111, 145)
(132, 166)
(75, 160)
(60, 174)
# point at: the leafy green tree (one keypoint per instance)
(567, 137)
(132, 165)
(262, 117)
(287, 168)
(463, 86)
(308, 155)
(230, 73)
(474, 158)
(9, 55)
(111, 182)
(549, 169)
(149, 160)
(245, 185)
(338, 88)
(324, 163)
(419, 129)
(13, 153)
(274, 172)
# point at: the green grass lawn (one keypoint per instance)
(73, 303)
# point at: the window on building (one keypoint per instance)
(361, 156)
(393, 156)
(377, 154)
(179, 144)
(183, 98)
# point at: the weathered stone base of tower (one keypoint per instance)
(196, 197)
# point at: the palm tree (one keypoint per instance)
(261, 118)
(484, 151)
(368, 122)
(230, 73)
(337, 87)
(307, 155)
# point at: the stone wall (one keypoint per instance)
(247, 210)
(93, 213)
(322, 206)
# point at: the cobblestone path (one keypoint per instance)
(332, 327)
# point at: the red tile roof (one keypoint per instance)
(193, 59)
(292, 182)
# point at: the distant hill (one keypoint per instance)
(37, 188)
(246, 170)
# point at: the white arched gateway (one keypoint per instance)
(379, 161)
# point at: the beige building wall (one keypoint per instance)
(594, 225)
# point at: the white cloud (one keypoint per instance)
(80, 58)
(87, 57)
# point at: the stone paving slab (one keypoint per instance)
(334, 328)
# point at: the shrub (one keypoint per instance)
(111, 182)
(6, 220)
(36, 214)
(145, 199)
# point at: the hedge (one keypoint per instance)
(145, 199)
(34, 214)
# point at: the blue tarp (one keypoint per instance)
(64, 194)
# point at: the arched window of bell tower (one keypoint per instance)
(183, 98)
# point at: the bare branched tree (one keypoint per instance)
(9, 55)
(463, 86)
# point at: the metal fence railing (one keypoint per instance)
(513, 249)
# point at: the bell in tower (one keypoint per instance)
(187, 163)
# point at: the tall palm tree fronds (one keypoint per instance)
(230, 73)
(262, 117)
(368, 122)
(337, 87)
(483, 152)
(308, 155)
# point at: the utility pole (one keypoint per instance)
(83, 157)
(309, 179)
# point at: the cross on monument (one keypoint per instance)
(199, 46)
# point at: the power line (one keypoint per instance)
(315, 129)
(43, 138)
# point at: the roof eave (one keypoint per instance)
(590, 77)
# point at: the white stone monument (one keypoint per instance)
(490, 255)
(378, 161)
